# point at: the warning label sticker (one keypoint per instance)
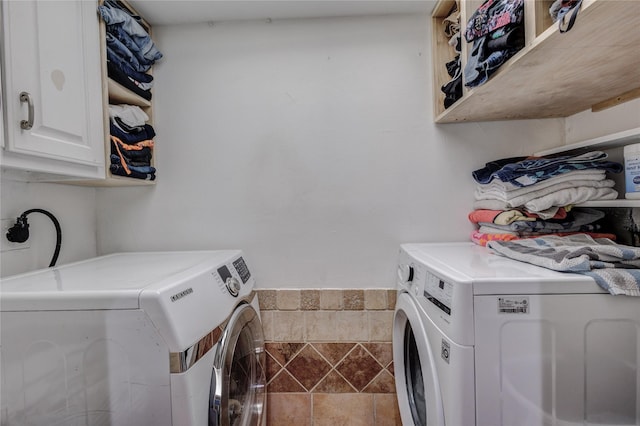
(513, 305)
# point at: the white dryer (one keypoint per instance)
(479, 339)
(156, 338)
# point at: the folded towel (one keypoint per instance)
(577, 219)
(613, 266)
(587, 174)
(567, 196)
(547, 205)
(536, 191)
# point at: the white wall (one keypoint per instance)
(588, 125)
(310, 144)
(75, 209)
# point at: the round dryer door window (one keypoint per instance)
(417, 387)
(238, 381)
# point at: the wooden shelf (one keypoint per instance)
(607, 142)
(118, 94)
(615, 140)
(621, 202)
(557, 74)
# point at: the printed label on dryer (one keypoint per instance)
(513, 305)
(182, 294)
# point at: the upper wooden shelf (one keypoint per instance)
(560, 74)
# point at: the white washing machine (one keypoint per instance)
(479, 339)
(164, 338)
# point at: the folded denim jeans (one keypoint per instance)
(115, 16)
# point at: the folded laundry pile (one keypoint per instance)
(526, 197)
(131, 142)
(130, 55)
(496, 29)
(615, 267)
(130, 50)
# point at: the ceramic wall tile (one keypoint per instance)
(267, 300)
(353, 300)
(288, 409)
(267, 325)
(321, 326)
(288, 326)
(352, 325)
(391, 299)
(381, 326)
(359, 368)
(375, 299)
(308, 367)
(354, 409)
(331, 300)
(310, 300)
(288, 300)
(386, 410)
(330, 355)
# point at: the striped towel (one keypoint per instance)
(615, 267)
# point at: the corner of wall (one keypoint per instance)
(587, 125)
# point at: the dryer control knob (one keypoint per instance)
(405, 273)
(233, 285)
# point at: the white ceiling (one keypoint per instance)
(171, 12)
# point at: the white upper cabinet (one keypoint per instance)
(52, 89)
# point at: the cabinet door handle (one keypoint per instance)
(28, 123)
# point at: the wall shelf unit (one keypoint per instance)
(555, 74)
(115, 93)
(614, 142)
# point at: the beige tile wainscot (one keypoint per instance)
(329, 357)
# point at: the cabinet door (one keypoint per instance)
(52, 67)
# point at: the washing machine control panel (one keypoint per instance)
(242, 269)
(233, 283)
(438, 292)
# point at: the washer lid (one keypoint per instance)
(490, 273)
(114, 281)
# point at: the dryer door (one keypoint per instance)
(417, 387)
(238, 381)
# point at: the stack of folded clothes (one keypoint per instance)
(451, 27)
(131, 142)
(130, 55)
(496, 29)
(130, 50)
(528, 197)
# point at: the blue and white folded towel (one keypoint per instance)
(615, 267)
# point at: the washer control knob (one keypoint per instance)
(233, 285)
(405, 273)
